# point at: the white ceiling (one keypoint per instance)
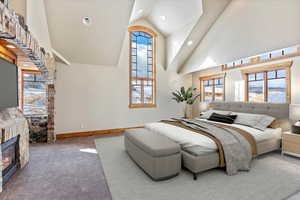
(235, 34)
(178, 13)
(98, 44)
(212, 10)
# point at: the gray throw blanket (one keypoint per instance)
(237, 150)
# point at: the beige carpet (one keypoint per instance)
(272, 177)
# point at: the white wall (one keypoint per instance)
(234, 82)
(97, 96)
(36, 20)
(247, 28)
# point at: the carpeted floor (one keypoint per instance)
(67, 170)
(272, 177)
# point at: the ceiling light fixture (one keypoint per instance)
(189, 43)
(87, 21)
(10, 46)
(163, 18)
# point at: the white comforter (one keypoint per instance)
(183, 136)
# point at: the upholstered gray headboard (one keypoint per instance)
(279, 111)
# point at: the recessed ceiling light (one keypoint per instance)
(10, 46)
(87, 21)
(189, 43)
(163, 18)
(140, 11)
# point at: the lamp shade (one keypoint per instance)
(203, 106)
(295, 112)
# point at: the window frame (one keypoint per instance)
(29, 71)
(258, 60)
(265, 69)
(153, 79)
(213, 78)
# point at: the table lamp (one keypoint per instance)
(295, 115)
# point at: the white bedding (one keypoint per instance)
(183, 136)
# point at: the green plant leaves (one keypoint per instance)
(185, 95)
(178, 97)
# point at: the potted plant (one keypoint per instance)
(185, 97)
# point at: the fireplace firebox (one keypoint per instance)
(10, 158)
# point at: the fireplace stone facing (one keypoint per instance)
(13, 124)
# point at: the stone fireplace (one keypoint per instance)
(10, 158)
(14, 143)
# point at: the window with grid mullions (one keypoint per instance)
(142, 67)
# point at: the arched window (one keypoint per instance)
(142, 67)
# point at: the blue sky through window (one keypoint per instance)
(142, 67)
(143, 56)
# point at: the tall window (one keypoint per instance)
(212, 88)
(34, 93)
(268, 84)
(142, 67)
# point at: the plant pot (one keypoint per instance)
(186, 110)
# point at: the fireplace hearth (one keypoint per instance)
(14, 143)
(10, 158)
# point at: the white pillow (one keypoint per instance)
(264, 122)
(246, 119)
(260, 122)
(208, 113)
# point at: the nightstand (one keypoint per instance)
(291, 144)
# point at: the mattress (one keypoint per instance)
(190, 138)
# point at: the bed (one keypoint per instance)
(207, 156)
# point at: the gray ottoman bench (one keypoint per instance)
(156, 154)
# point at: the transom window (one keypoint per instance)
(265, 57)
(269, 85)
(142, 67)
(34, 93)
(212, 88)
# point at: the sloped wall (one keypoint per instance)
(36, 20)
(247, 28)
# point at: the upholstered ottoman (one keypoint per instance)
(156, 154)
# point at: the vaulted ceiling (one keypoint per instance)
(175, 19)
(169, 16)
(246, 28)
(99, 43)
(198, 33)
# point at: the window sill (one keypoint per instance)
(142, 106)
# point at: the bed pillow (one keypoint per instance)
(208, 113)
(228, 119)
(264, 122)
(260, 122)
(284, 124)
(246, 119)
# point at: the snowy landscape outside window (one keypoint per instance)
(268, 86)
(34, 93)
(142, 67)
(212, 88)
(271, 84)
